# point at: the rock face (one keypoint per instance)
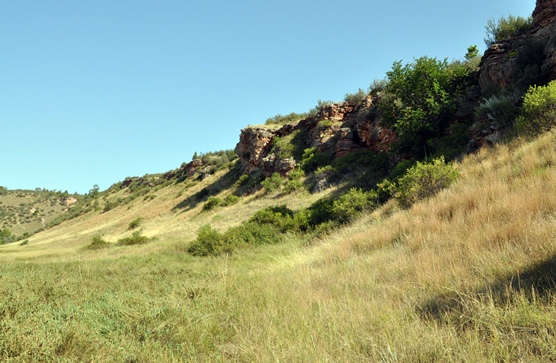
(254, 145)
(345, 127)
(517, 63)
(340, 128)
(503, 62)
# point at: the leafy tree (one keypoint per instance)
(421, 97)
(472, 52)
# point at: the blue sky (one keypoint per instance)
(94, 91)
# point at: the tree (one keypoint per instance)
(472, 52)
(420, 99)
(94, 191)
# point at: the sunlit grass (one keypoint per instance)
(466, 276)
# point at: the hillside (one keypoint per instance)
(411, 223)
(464, 276)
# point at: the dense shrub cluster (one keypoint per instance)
(272, 183)
(420, 101)
(289, 146)
(538, 113)
(268, 226)
(421, 181)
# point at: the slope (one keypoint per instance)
(464, 276)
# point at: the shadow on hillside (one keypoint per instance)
(536, 283)
(225, 182)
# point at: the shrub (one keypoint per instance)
(506, 28)
(357, 97)
(6, 236)
(421, 181)
(378, 86)
(501, 109)
(350, 205)
(319, 107)
(280, 217)
(538, 113)
(135, 223)
(212, 203)
(287, 119)
(209, 242)
(97, 243)
(251, 233)
(288, 146)
(272, 182)
(242, 180)
(135, 239)
(313, 159)
(231, 199)
(294, 181)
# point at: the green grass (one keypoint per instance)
(465, 276)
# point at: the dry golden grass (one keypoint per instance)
(466, 276)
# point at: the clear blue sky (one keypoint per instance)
(94, 91)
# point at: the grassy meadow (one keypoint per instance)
(466, 276)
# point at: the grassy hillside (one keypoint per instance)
(24, 212)
(465, 276)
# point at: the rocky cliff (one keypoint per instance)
(345, 127)
(529, 58)
(339, 128)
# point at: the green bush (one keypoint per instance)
(538, 113)
(420, 101)
(251, 234)
(209, 242)
(280, 217)
(294, 181)
(242, 180)
(135, 239)
(272, 183)
(506, 28)
(312, 159)
(289, 146)
(352, 204)
(231, 199)
(356, 97)
(421, 181)
(97, 243)
(378, 86)
(501, 109)
(6, 236)
(287, 119)
(212, 202)
(319, 107)
(135, 223)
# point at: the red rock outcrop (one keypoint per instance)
(498, 65)
(340, 127)
(254, 144)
